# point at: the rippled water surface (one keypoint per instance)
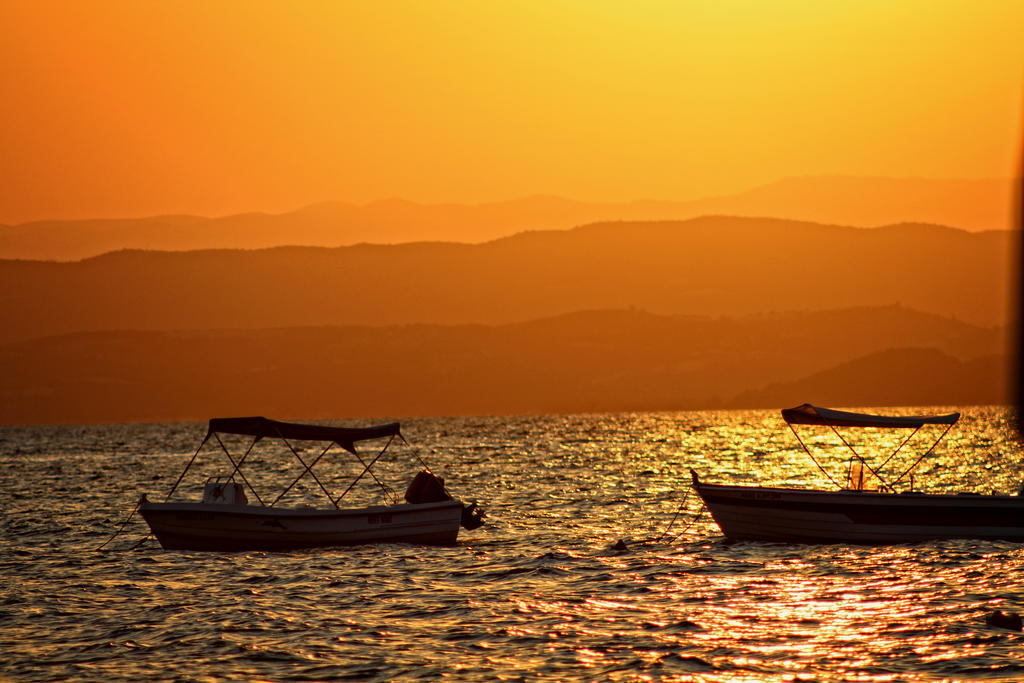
(540, 593)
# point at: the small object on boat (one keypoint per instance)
(226, 493)
(1007, 620)
(866, 510)
(426, 487)
(224, 519)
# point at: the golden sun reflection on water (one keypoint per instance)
(541, 593)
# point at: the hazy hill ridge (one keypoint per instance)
(707, 266)
(908, 376)
(588, 361)
(866, 202)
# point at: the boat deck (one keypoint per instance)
(798, 515)
(203, 526)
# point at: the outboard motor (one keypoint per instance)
(472, 516)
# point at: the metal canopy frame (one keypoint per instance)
(885, 485)
(307, 468)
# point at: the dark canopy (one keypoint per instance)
(813, 415)
(259, 427)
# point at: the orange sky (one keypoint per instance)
(135, 108)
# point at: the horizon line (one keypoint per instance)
(492, 202)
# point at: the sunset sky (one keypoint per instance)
(116, 109)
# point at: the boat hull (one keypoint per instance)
(205, 526)
(810, 516)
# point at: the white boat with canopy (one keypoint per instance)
(876, 504)
(225, 518)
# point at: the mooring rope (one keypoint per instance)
(675, 517)
(141, 541)
(682, 506)
(125, 522)
(700, 513)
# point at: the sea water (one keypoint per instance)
(544, 591)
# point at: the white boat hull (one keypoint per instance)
(207, 526)
(810, 516)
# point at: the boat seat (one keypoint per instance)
(224, 493)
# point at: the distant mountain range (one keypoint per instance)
(973, 205)
(743, 312)
(708, 266)
(589, 361)
(907, 376)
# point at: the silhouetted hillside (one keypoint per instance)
(867, 202)
(593, 361)
(974, 205)
(917, 376)
(708, 266)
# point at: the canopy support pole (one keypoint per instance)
(366, 468)
(238, 467)
(240, 473)
(811, 456)
(388, 491)
(182, 475)
(416, 454)
(930, 449)
(905, 442)
(857, 455)
(309, 468)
